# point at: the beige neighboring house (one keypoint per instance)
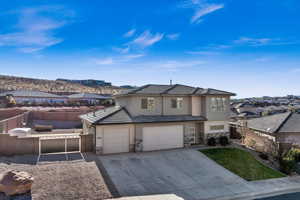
(270, 134)
(156, 117)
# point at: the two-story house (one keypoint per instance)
(156, 117)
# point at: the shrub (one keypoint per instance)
(224, 140)
(289, 160)
(287, 165)
(211, 141)
(295, 153)
(264, 156)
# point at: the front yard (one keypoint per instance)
(241, 163)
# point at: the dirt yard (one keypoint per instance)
(57, 178)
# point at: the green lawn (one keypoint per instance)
(241, 163)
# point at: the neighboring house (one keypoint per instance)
(155, 117)
(271, 134)
(34, 97)
(88, 98)
(245, 107)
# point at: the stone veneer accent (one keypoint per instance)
(99, 150)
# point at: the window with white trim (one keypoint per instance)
(148, 103)
(218, 104)
(176, 103)
(217, 127)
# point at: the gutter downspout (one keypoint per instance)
(162, 105)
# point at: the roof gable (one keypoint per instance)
(119, 117)
(292, 124)
(269, 124)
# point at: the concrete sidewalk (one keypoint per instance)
(266, 188)
(152, 197)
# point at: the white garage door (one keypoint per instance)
(115, 140)
(163, 137)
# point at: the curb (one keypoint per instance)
(254, 195)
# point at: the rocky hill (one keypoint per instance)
(8, 83)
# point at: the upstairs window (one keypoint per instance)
(147, 103)
(218, 104)
(177, 103)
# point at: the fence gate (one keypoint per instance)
(59, 144)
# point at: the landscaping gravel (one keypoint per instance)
(57, 179)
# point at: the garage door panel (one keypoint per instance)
(164, 137)
(115, 140)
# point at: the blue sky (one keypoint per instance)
(250, 47)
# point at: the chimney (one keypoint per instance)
(171, 82)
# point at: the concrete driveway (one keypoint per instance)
(186, 173)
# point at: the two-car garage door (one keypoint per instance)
(117, 139)
(162, 137)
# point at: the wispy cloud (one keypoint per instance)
(122, 50)
(116, 59)
(205, 53)
(263, 59)
(104, 61)
(36, 28)
(132, 56)
(205, 10)
(146, 39)
(201, 8)
(243, 42)
(176, 65)
(173, 36)
(129, 33)
(254, 41)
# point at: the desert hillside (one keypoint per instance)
(21, 83)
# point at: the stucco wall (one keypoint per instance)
(215, 133)
(168, 110)
(133, 105)
(196, 106)
(290, 138)
(217, 115)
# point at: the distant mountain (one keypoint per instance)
(87, 82)
(8, 83)
(128, 87)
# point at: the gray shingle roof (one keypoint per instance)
(177, 89)
(168, 118)
(94, 117)
(270, 124)
(292, 124)
(119, 115)
(31, 93)
(87, 96)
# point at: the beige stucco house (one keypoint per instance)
(156, 117)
